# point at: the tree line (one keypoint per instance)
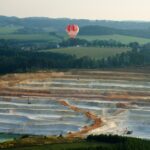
(115, 142)
(94, 43)
(16, 60)
(39, 44)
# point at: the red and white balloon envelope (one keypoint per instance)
(72, 30)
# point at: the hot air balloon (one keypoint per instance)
(72, 30)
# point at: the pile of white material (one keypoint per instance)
(39, 117)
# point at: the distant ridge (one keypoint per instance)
(60, 23)
(103, 30)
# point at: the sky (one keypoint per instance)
(79, 9)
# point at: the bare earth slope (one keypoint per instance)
(111, 100)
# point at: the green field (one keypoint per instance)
(58, 143)
(68, 146)
(30, 37)
(8, 29)
(121, 38)
(49, 29)
(8, 33)
(93, 52)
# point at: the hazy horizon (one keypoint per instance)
(118, 10)
(77, 18)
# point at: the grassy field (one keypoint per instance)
(58, 143)
(67, 146)
(30, 37)
(8, 30)
(92, 52)
(121, 38)
(8, 33)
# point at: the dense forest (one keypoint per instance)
(15, 60)
(119, 143)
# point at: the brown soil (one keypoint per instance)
(8, 82)
(97, 121)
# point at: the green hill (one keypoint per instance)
(120, 38)
(60, 23)
(53, 30)
(102, 30)
(31, 37)
(100, 142)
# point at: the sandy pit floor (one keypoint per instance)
(76, 103)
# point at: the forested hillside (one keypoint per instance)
(62, 22)
(53, 30)
(16, 60)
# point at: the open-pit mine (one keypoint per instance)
(76, 103)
